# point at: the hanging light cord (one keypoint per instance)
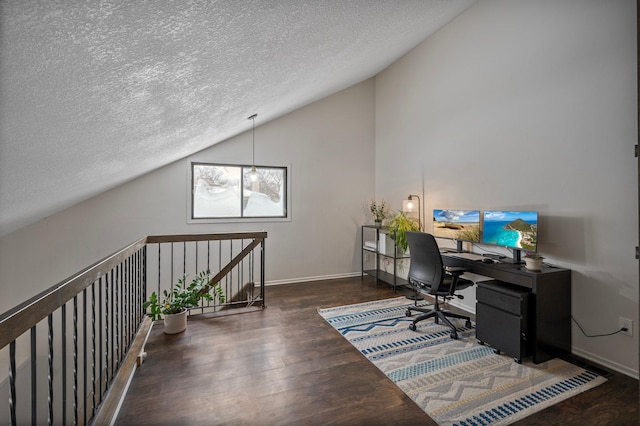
(253, 139)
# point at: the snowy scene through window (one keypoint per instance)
(225, 191)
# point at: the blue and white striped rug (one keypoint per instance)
(456, 382)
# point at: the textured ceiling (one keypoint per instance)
(95, 93)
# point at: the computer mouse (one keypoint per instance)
(487, 260)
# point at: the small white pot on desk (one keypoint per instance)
(533, 263)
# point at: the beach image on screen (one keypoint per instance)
(463, 225)
(511, 229)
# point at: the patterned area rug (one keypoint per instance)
(456, 382)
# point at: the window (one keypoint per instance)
(225, 191)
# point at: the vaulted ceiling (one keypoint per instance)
(96, 93)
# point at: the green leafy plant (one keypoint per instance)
(378, 209)
(183, 296)
(531, 255)
(399, 224)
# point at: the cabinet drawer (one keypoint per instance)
(503, 331)
(507, 299)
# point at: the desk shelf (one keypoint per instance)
(386, 277)
(373, 233)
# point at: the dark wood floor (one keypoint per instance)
(286, 365)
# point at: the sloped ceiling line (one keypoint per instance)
(96, 93)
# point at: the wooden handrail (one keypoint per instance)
(204, 237)
(16, 321)
(21, 318)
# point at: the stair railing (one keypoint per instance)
(70, 350)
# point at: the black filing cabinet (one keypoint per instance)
(502, 318)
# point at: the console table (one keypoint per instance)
(370, 232)
(549, 316)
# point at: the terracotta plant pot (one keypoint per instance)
(175, 323)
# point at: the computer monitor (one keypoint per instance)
(517, 230)
(458, 225)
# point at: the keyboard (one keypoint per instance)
(476, 278)
(468, 256)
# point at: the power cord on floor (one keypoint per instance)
(598, 335)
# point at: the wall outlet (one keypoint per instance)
(366, 257)
(626, 323)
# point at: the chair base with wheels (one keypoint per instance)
(438, 315)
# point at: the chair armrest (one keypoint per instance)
(455, 270)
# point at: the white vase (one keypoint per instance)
(175, 323)
(533, 264)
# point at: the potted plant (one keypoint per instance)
(176, 301)
(398, 225)
(378, 210)
(533, 261)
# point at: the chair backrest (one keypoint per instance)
(426, 263)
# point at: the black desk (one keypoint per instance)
(550, 309)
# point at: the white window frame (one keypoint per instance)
(250, 219)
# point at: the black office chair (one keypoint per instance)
(427, 274)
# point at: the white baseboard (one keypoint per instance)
(309, 279)
(605, 362)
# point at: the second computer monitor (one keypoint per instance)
(459, 225)
(513, 229)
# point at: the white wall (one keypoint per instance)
(521, 104)
(329, 147)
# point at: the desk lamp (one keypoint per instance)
(409, 206)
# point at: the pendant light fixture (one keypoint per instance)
(253, 174)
